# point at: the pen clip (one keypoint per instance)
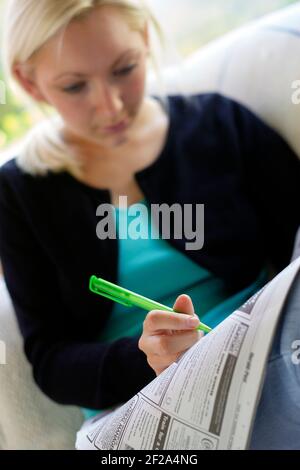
(106, 292)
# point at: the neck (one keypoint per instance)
(148, 118)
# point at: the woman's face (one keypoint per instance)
(94, 75)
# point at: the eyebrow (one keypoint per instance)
(82, 74)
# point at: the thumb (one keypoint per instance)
(184, 304)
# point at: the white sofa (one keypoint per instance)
(256, 65)
(28, 419)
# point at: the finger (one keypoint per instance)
(165, 346)
(160, 320)
(184, 304)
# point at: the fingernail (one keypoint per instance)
(192, 322)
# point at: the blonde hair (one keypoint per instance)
(28, 25)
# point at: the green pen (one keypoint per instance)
(129, 298)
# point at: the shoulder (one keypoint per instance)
(213, 108)
(202, 102)
(19, 189)
(209, 123)
(10, 174)
(9, 168)
(14, 188)
(14, 179)
(208, 117)
(13, 175)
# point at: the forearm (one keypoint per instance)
(92, 375)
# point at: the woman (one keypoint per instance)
(87, 60)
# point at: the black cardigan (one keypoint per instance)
(217, 153)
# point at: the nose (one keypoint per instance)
(107, 103)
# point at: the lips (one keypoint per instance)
(118, 127)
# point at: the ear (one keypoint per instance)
(25, 77)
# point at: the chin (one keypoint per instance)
(119, 142)
(109, 141)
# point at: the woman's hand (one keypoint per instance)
(167, 335)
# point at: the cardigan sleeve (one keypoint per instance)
(68, 370)
(271, 175)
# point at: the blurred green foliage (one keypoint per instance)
(14, 118)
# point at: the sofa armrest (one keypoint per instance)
(28, 419)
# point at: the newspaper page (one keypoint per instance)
(208, 398)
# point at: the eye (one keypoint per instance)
(126, 70)
(76, 88)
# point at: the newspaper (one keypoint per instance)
(208, 398)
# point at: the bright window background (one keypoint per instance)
(193, 23)
(188, 23)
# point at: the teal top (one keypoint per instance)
(153, 268)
